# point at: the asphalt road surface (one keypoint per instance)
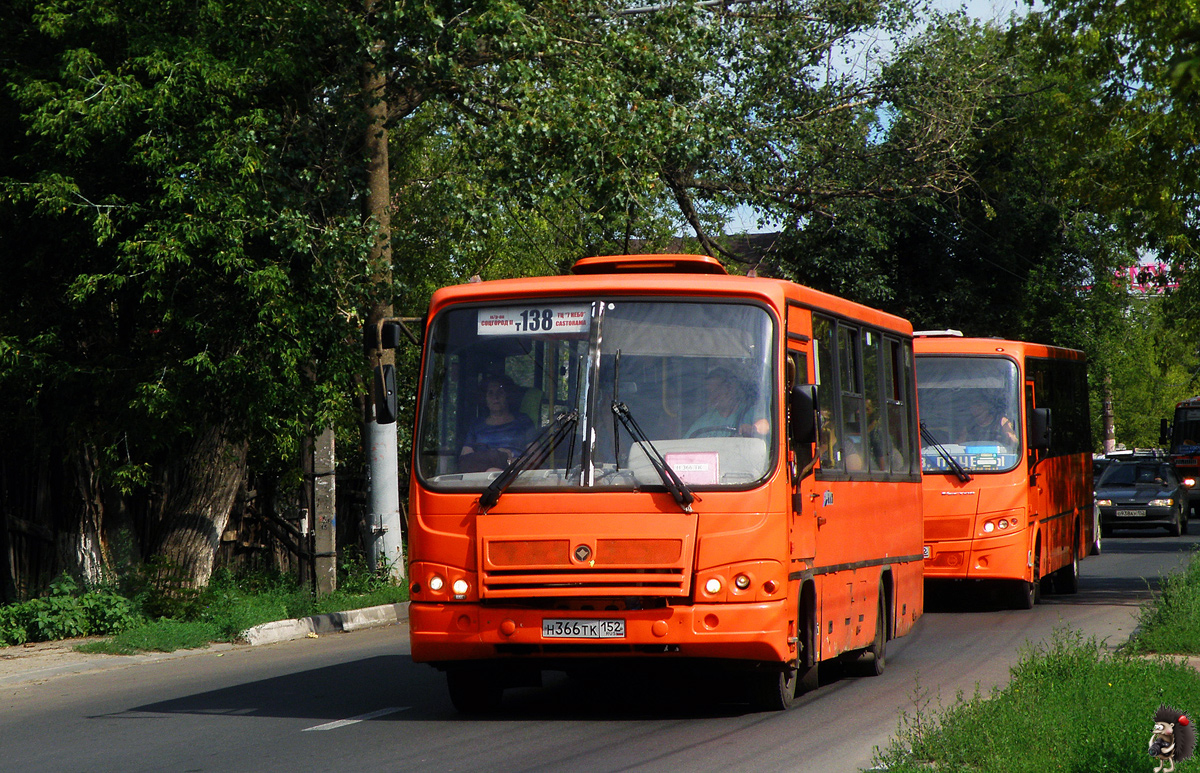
(356, 702)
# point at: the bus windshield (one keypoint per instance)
(1185, 438)
(696, 378)
(971, 407)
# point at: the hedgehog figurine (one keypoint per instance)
(1173, 739)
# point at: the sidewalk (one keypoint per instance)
(31, 663)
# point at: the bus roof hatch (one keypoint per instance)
(649, 264)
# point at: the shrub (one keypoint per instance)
(67, 612)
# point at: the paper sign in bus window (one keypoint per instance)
(557, 319)
(700, 468)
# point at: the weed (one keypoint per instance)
(1171, 622)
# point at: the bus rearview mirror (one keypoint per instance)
(385, 394)
(1039, 428)
(802, 412)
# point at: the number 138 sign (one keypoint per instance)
(534, 320)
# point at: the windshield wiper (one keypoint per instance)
(958, 469)
(534, 454)
(679, 490)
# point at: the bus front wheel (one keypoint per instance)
(474, 690)
(1026, 594)
(774, 689)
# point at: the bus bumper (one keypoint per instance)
(754, 631)
(995, 558)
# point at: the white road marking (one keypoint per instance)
(359, 718)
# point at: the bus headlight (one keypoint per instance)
(713, 586)
(989, 527)
(741, 581)
(460, 587)
(436, 583)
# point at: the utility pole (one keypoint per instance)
(384, 537)
(324, 513)
(1108, 420)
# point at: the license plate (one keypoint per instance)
(1130, 513)
(927, 551)
(583, 629)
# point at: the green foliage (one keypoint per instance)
(1171, 622)
(67, 612)
(1070, 705)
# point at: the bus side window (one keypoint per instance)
(853, 446)
(896, 376)
(828, 446)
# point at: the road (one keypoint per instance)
(356, 701)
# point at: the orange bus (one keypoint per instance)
(1181, 437)
(1006, 453)
(623, 464)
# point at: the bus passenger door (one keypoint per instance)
(801, 460)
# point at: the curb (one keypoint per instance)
(334, 622)
(23, 667)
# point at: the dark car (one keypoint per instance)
(1139, 494)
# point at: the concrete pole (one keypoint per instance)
(324, 513)
(1108, 418)
(386, 538)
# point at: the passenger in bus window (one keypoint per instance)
(731, 410)
(985, 424)
(494, 440)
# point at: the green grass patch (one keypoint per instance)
(149, 614)
(1070, 706)
(1171, 622)
(158, 636)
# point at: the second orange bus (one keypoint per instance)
(1006, 457)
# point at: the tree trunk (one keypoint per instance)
(81, 540)
(201, 486)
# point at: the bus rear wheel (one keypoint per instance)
(875, 659)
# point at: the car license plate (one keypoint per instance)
(583, 629)
(1130, 513)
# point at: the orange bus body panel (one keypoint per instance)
(838, 542)
(1050, 499)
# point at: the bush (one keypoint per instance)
(67, 612)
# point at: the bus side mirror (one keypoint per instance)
(802, 410)
(385, 394)
(1039, 428)
(389, 335)
(1164, 433)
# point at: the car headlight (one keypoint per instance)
(1162, 502)
(1104, 502)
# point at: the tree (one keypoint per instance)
(176, 237)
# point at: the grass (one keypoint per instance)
(1171, 623)
(1070, 705)
(142, 616)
